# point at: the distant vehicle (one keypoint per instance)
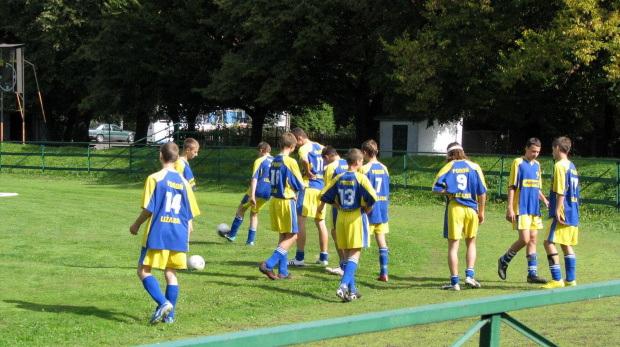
(160, 131)
(110, 132)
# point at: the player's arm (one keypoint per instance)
(482, 200)
(510, 213)
(558, 209)
(253, 184)
(144, 215)
(543, 198)
(305, 164)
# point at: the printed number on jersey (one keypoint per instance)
(461, 180)
(173, 202)
(347, 197)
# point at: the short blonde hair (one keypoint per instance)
(288, 140)
(353, 155)
(190, 143)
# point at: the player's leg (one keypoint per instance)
(383, 255)
(286, 241)
(348, 279)
(252, 229)
(453, 264)
(172, 293)
(532, 259)
(570, 263)
(300, 254)
(238, 220)
(339, 270)
(470, 260)
(323, 241)
(554, 266)
(148, 258)
(283, 220)
(524, 236)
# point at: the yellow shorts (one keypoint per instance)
(352, 230)
(163, 258)
(333, 214)
(260, 203)
(307, 203)
(460, 222)
(381, 228)
(527, 222)
(283, 215)
(562, 234)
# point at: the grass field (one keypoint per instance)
(69, 261)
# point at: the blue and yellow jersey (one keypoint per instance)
(351, 190)
(183, 168)
(565, 181)
(379, 177)
(170, 199)
(463, 181)
(334, 169)
(312, 151)
(285, 177)
(525, 178)
(261, 174)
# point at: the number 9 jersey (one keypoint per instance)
(463, 181)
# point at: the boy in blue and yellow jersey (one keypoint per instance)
(523, 209)
(379, 177)
(286, 182)
(335, 166)
(564, 215)
(463, 183)
(257, 196)
(353, 195)
(168, 207)
(312, 169)
(190, 151)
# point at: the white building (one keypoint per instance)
(399, 135)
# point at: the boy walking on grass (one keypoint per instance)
(286, 182)
(190, 151)
(353, 195)
(564, 216)
(257, 196)
(168, 207)
(523, 210)
(463, 183)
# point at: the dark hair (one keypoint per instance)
(329, 151)
(370, 147)
(564, 142)
(533, 141)
(264, 146)
(169, 152)
(299, 132)
(455, 154)
(354, 155)
(288, 140)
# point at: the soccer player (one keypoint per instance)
(168, 207)
(523, 209)
(379, 177)
(257, 196)
(564, 215)
(335, 166)
(312, 168)
(190, 151)
(463, 183)
(286, 182)
(353, 195)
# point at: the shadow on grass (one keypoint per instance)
(82, 310)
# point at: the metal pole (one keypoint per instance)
(618, 186)
(501, 171)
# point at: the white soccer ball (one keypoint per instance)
(223, 228)
(195, 263)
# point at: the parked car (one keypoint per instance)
(110, 132)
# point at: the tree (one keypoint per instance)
(315, 120)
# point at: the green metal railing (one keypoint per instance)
(492, 311)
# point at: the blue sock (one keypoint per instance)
(172, 293)
(348, 279)
(300, 255)
(506, 258)
(342, 264)
(570, 262)
(556, 271)
(532, 264)
(454, 280)
(283, 268)
(234, 227)
(251, 234)
(152, 287)
(383, 260)
(323, 256)
(275, 258)
(469, 272)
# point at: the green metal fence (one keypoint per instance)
(600, 178)
(492, 311)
